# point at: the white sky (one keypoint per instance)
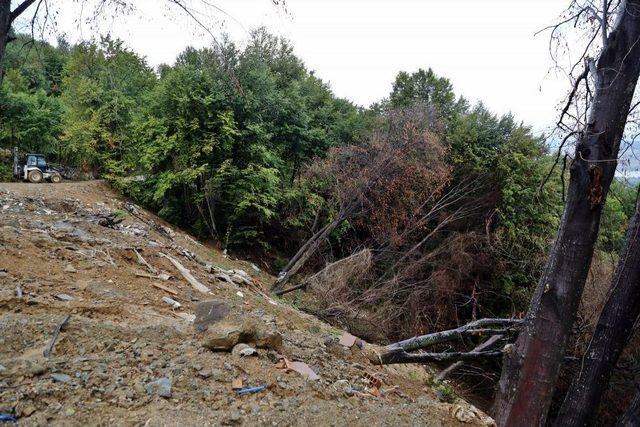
(486, 48)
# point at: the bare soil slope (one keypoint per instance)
(61, 254)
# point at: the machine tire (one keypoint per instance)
(35, 176)
(56, 178)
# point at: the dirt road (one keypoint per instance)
(126, 357)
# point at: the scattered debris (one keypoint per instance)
(70, 269)
(186, 274)
(144, 262)
(8, 418)
(375, 383)
(299, 367)
(125, 339)
(56, 332)
(18, 291)
(61, 378)
(164, 288)
(160, 387)
(173, 303)
(237, 276)
(110, 220)
(63, 297)
(240, 294)
(466, 414)
(244, 350)
(186, 316)
(252, 389)
(208, 312)
(347, 340)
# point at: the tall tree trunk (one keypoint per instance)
(531, 365)
(7, 16)
(5, 25)
(613, 331)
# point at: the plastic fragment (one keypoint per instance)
(252, 389)
(9, 418)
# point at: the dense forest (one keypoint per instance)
(444, 210)
(249, 148)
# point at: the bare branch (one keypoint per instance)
(19, 10)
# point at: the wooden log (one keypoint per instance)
(164, 288)
(148, 276)
(472, 328)
(54, 338)
(482, 346)
(401, 356)
(144, 262)
(291, 289)
(186, 274)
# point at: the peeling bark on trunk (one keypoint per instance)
(612, 333)
(531, 367)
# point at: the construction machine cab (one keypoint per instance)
(34, 168)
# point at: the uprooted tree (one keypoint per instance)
(607, 84)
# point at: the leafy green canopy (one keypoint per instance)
(224, 134)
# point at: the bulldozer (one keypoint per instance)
(34, 168)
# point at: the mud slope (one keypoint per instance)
(63, 252)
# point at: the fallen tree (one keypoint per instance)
(341, 270)
(478, 327)
(480, 347)
(401, 356)
(399, 352)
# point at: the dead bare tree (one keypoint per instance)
(613, 331)
(532, 365)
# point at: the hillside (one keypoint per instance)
(64, 252)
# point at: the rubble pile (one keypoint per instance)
(111, 316)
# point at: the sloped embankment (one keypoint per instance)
(125, 356)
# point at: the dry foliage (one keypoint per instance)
(417, 277)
